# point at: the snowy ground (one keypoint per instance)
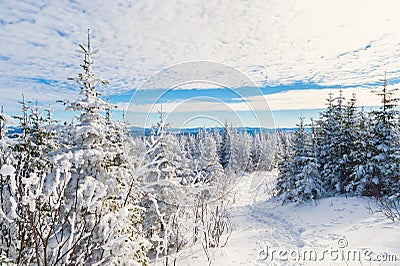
(333, 231)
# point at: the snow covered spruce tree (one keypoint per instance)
(360, 154)
(331, 143)
(210, 166)
(79, 208)
(265, 151)
(99, 181)
(298, 178)
(354, 151)
(256, 151)
(22, 175)
(224, 148)
(382, 169)
(240, 153)
(337, 134)
(163, 159)
(282, 146)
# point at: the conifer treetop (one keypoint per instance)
(89, 104)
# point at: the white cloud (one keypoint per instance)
(323, 42)
(316, 99)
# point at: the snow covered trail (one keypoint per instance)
(258, 223)
(338, 223)
(255, 224)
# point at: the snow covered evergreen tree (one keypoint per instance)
(331, 143)
(77, 211)
(224, 150)
(209, 166)
(256, 151)
(352, 137)
(282, 146)
(23, 173)
(382, 173)
(360, 155)
(240, 153)
(299, 179)
(161, 186)
(99, 165)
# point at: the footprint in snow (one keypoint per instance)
(339, 209)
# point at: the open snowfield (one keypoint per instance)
(332, 231)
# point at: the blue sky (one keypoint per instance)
(291, 54)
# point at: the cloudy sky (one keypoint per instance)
(292, 52)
